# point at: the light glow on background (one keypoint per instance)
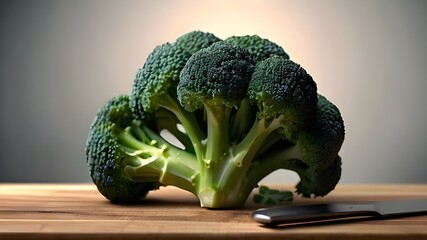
(61, 60)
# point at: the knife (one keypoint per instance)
(335, 211)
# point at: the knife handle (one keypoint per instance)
(310, 213)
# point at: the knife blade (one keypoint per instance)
(335, 211)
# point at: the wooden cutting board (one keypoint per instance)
(78, 211)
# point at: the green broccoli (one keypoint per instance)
(155, 87)
(241, 110)
(269, 196)
(127, 159)
(192, 42)
(312, 153)
(259, 48)
(105, 159)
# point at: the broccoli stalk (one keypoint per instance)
(150, 158)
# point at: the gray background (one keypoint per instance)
(61, 60)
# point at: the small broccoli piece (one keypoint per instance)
(192, 42)
(259, 48)
(269, 196)
(127, 159)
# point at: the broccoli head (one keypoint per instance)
(192, 42)
(282, 88)
(105, 158)
(259, 48)
(154, 81)
(312, 153)
(154, 88)
(218, 74)
(239, 109)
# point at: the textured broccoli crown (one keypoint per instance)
(104, 157)
(192, 42)
(319, 144)
(157, 78)
(259, 48)
(321, 140)
(320, 180)
(116, 111)
(281, 87)
(219, 74)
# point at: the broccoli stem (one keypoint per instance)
(274, 137)
(217, 144)
(152, 159)
(167, 120)
(181, 155)
(167, 171)
(242, 120)
(127, 140)
(218, 132)
(188, 121)
(228, 188)
(243, 153)
(288, 158)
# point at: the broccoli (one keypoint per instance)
(127, 159)
(105, 159)
(155, 87)
(272, 196)
(259, 48)
(192, 42)
(312, 152)
(240, 109)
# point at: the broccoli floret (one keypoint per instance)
(259, 48)
(319, 144)
(192, 42)
(154, 81)
(155, 87)
(104, 157)
(284, 92)
(241, 110)
(127, 159)
(280, 87)
(215, 78)
(313, 154)
(217, 75)
(285, 96)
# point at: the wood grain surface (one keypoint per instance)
(78, 211)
